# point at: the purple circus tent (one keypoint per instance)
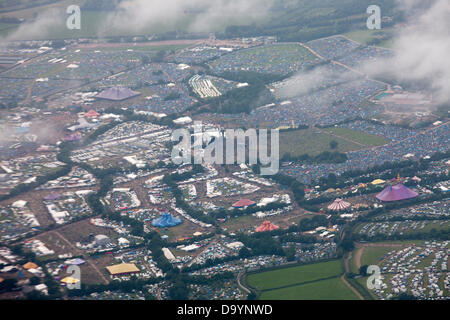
(166, 220)
(117, 94)
(396, 193)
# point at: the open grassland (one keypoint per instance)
(358, 136)
(312, 142)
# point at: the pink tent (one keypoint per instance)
(396, 193)
(244, 203)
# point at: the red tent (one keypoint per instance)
(267, 226)
(92, 114)
(243, 203)
(396, 193)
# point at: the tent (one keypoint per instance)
(30, 265)
(117, 94)
(377, 182)
(338, 205)
(243, 203)
(52, 196)
(267, 226)
(92, 114)
(123, 268)
(70, 280)
(166, 220)
(396, 193)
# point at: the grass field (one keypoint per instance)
(364, 36)
(359, 136)
(315, 141)
(331, 289)
(294, 275)
(373, 255)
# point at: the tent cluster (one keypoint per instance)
(166, 220)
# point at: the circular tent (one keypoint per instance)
(166, 220)
(267, 226)
(396, 193)
(339, 205)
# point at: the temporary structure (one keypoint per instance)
(30, 265)
(338, 205)
(267, 226)
(166, 220)
(396, 193)
(377, 182)
(123, 268)
(243, 203)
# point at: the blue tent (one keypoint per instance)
(166, 220)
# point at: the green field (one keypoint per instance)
(372, 255)
(331, 289)
(365, 36)
(315, 141)
(294, 275)
(359, 136)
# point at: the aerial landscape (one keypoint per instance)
(224, 150)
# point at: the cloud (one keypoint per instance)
(421, 48)
(39, 27)
(143, 16)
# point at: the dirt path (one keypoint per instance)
(93, 266)
(345, 280)
(361, 247)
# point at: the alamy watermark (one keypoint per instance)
(374, 281)
(227, 147)
(374, 20)
(74, 20)
(74, 279)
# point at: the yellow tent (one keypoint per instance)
(330, 190)
(30, 265)
(70, 280)
(377, 181)
(123, 268)
(1, 280)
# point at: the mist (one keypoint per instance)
(143, 16)
(421, 48)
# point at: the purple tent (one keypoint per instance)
(52, 196)
(117, 94)
(396, 193)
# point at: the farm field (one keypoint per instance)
(291, 276)
(330, 289)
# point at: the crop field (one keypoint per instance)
(331, 289)
(293, 276)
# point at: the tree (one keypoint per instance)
(290, 253)
(333, 144)
(35, 281)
